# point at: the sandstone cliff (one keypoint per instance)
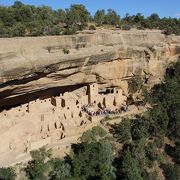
(43, 90)
(36, 64)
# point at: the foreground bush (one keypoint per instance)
(7, 174)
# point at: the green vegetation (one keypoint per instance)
(126, 27)
(93, 135)
(135, 149)
(171, 172)
(28, 20)
(38, 167)
(122, 131)
(90, 159)
(66, 51)
(7, 174)
(148, 132)
(49, 48)
(92, 27)
(93, 160)
(136, 84)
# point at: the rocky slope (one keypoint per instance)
(37, 66)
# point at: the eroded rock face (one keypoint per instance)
(35, 64)
(34, 72)
(55, 121)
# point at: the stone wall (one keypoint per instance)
(45, 121)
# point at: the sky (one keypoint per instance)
(164, 8)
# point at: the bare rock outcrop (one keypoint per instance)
(31, 65)
(51, 96)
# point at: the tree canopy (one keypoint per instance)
(28, 20)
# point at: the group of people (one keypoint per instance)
(103, 111)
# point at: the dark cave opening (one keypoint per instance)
(7, 102)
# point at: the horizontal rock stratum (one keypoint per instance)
(50, 97)
(34, 64)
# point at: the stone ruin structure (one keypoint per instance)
(45, 121)
(47, 96)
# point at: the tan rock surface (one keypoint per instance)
(42, 90)
(106, 57)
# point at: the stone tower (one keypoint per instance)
(92, 93)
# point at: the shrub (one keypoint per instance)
(139, 153)
(19, 30)
(130, 166)
(60, 169)
(93, 134)
(94, 161)
(139, 128)
(107, 118)
(7, 174)
(66, 51)
(159, 141)
(151, 152)
(69, 31)
(150, 175)
(38, 167)
(55, 30)
(92, 27)
(122, 131)
(135, 84)
(171, 172)
(177, 153)
(161, 158)
(87, 136)
(49, 48)
(99, 131)
(126, 27)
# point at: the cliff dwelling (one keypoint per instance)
(48, 120)
(52, 98)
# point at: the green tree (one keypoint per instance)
(61, 14)
(93, 134)
(139, 20)
(92, 27)
(99, 17)
(131, 169)
(55, 30)
(135, 84)
(93, 161)
(151, 152)
(60, 170)
(150, 175)
(18, 4)
(158, 119)
(112, 18)
(128, 19)
(126, 27)
(7, 174)
(122, 131)
(171, 172)
(167, 96)
(18, 30)
(38, 167)
(36, 28)
(177, 153)
(139, 153)
(23, 13)
(7, 16)
(140, 128)
(152, 21)
(77, 17)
